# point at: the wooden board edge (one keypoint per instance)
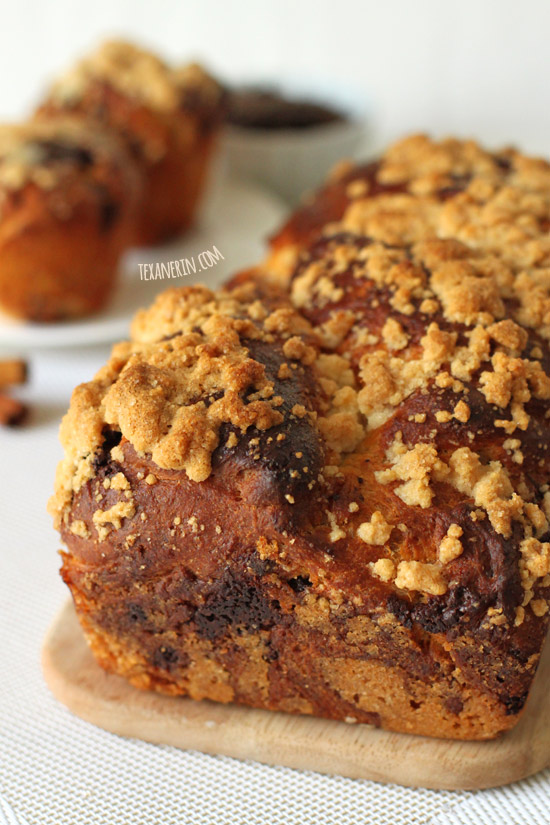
(299, 742)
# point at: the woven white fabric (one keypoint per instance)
(8, 815)
(57, 770)
(523, 803)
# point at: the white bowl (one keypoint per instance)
(292, 161)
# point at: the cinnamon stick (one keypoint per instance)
(12, 411)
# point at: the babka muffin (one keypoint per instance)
(168, 118)
(325, 489)
(68, 195)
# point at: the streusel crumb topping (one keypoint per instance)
(434, 282)
(137, 74)
(48, 153)
(421, 314)
(186, 371)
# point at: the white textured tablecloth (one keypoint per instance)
(57, 770)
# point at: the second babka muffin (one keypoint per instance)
(168, 119)
(68, 194)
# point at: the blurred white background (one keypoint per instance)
(474, 68)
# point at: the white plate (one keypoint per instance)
(235, 220)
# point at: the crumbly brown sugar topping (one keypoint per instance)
(429, 304)
(186, 371)
(136, 73)
(439, 286)
(496, 206)
(47, 152)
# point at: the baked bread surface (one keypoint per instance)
(324, 489)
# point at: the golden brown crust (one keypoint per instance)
(392, 527)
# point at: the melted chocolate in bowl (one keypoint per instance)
(259, 108)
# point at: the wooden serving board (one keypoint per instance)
(356, 751)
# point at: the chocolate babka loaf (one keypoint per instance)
(324, 489)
